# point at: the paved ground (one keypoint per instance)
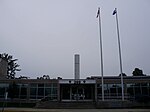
(72, 110)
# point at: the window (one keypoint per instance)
(33, 92)
(3, 88)
(23, 91)
(111, 91)
(42, 90)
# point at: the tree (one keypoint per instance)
(138, 72)
(44, 77)
(123, 74)
(12, 65)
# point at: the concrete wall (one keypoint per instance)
(3, 68)
(121, 104)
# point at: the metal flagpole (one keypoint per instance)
(115, 12)
(101, 53)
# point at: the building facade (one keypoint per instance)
(3, 68)
(64, 90)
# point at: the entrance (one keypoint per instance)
(77, 92)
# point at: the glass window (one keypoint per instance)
(12, 90)
(47, 91)
(137, 85)
(4, 85)
(106, 91)
(2, 92)
(149, 89)
(54, 84)
(23, 92)
(144, 90)
(41, 91)
(105, 86)
(48, 85)
(33, 93)
(99, 90)
(54, 91)
(41, 85)
(98, 85)
(3, 88)
(112, 89)
(137, 90)
(119, 89)
(130, 90)
(33, 85)
(144, 84)
(66, 92)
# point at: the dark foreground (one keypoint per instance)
(72, 110)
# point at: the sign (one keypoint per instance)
(74, 81)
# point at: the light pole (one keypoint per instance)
(115, 13)
(101, 52)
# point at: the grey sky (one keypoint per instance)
(45, 34)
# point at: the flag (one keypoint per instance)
(115, 11)
(98, 12)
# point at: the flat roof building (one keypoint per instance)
(74, 90)
(78, 91)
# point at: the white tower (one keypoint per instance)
(77, 66)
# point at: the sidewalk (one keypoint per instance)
(72, 110)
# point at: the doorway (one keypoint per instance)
(77, 92)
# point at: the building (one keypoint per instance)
(136, 88)
(3, 68)
(30, 90)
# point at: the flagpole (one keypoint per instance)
(101, 53)
(120, 54)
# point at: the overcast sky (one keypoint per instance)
(45, 34)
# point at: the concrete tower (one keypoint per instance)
(77, 66)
